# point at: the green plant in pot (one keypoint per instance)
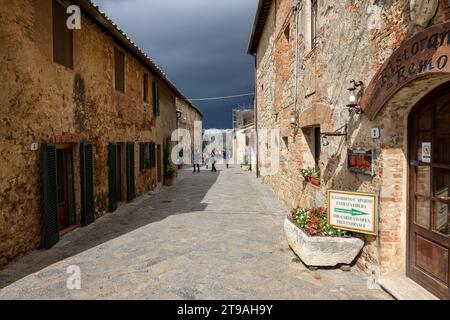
(311, 175)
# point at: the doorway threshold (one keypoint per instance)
(403, 288)
(63, 232)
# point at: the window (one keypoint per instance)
(155, 99)
(317, 145)
(119, 67)
(145, 87)
(62, 37)
(313, 23)
(287, 32)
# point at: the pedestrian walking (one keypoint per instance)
(206, 159)
(197, 161)
(213, 162)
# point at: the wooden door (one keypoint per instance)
(159, 162)
(62, 167)
(429, 196)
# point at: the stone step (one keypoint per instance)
(403, 288)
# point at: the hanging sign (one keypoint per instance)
(425, 53)
(353, 211)
(426, 152)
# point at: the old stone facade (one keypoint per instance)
(304, 65)
(46, 102)
(190, 118)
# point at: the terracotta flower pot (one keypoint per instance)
(314, 181)
(170, 182)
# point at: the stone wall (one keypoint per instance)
(43, 101)
(189, 117)
(354, 39)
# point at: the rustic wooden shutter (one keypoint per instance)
(142, 156)
(50, 196)
(112, 176)
(62, 37)
(155, 98)
(153, 157)
(87, 183)
(131, 186)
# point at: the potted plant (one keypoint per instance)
(316, 242)
(170, 177)
(311, 175)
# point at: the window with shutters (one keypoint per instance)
(145, 87)
(119, 69)
(156, 110)
(62, 37)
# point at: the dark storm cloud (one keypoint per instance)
(200, 44)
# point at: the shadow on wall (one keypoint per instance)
(139, 213)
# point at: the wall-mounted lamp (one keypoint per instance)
(355, 94)
(342, 131)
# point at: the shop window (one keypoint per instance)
(119, 69)
(62, 37)
(145, 87)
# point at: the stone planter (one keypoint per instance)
(321, 251)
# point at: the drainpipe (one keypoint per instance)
(298, 8)
(255, 99)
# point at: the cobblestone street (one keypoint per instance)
(211, 236)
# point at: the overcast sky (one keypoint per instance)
(200, 44)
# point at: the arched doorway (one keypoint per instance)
(428, 257)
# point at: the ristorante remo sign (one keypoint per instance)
(353, 211)
(427, 52)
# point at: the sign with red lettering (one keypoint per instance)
(426, 52)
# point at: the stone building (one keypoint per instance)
(190, 118)
(242, 117)
(85, 115)
(397, 52)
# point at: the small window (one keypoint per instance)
(287, 32)
(119, 67)
(313, 22)
(317, 145)
(62, 37)
(145, 87)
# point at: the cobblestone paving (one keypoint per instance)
(212, 236)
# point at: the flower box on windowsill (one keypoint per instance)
(321, 251)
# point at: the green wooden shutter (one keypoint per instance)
(153, 147)
(50, 196)
(131, 186)
(87, 183)
(155, 99)
(112, 176)
(142, 156)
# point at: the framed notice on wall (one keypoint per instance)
(361, 161)
(353, 211)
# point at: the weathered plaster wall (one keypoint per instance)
(43, 101)
(355, 38)
(189, 116)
